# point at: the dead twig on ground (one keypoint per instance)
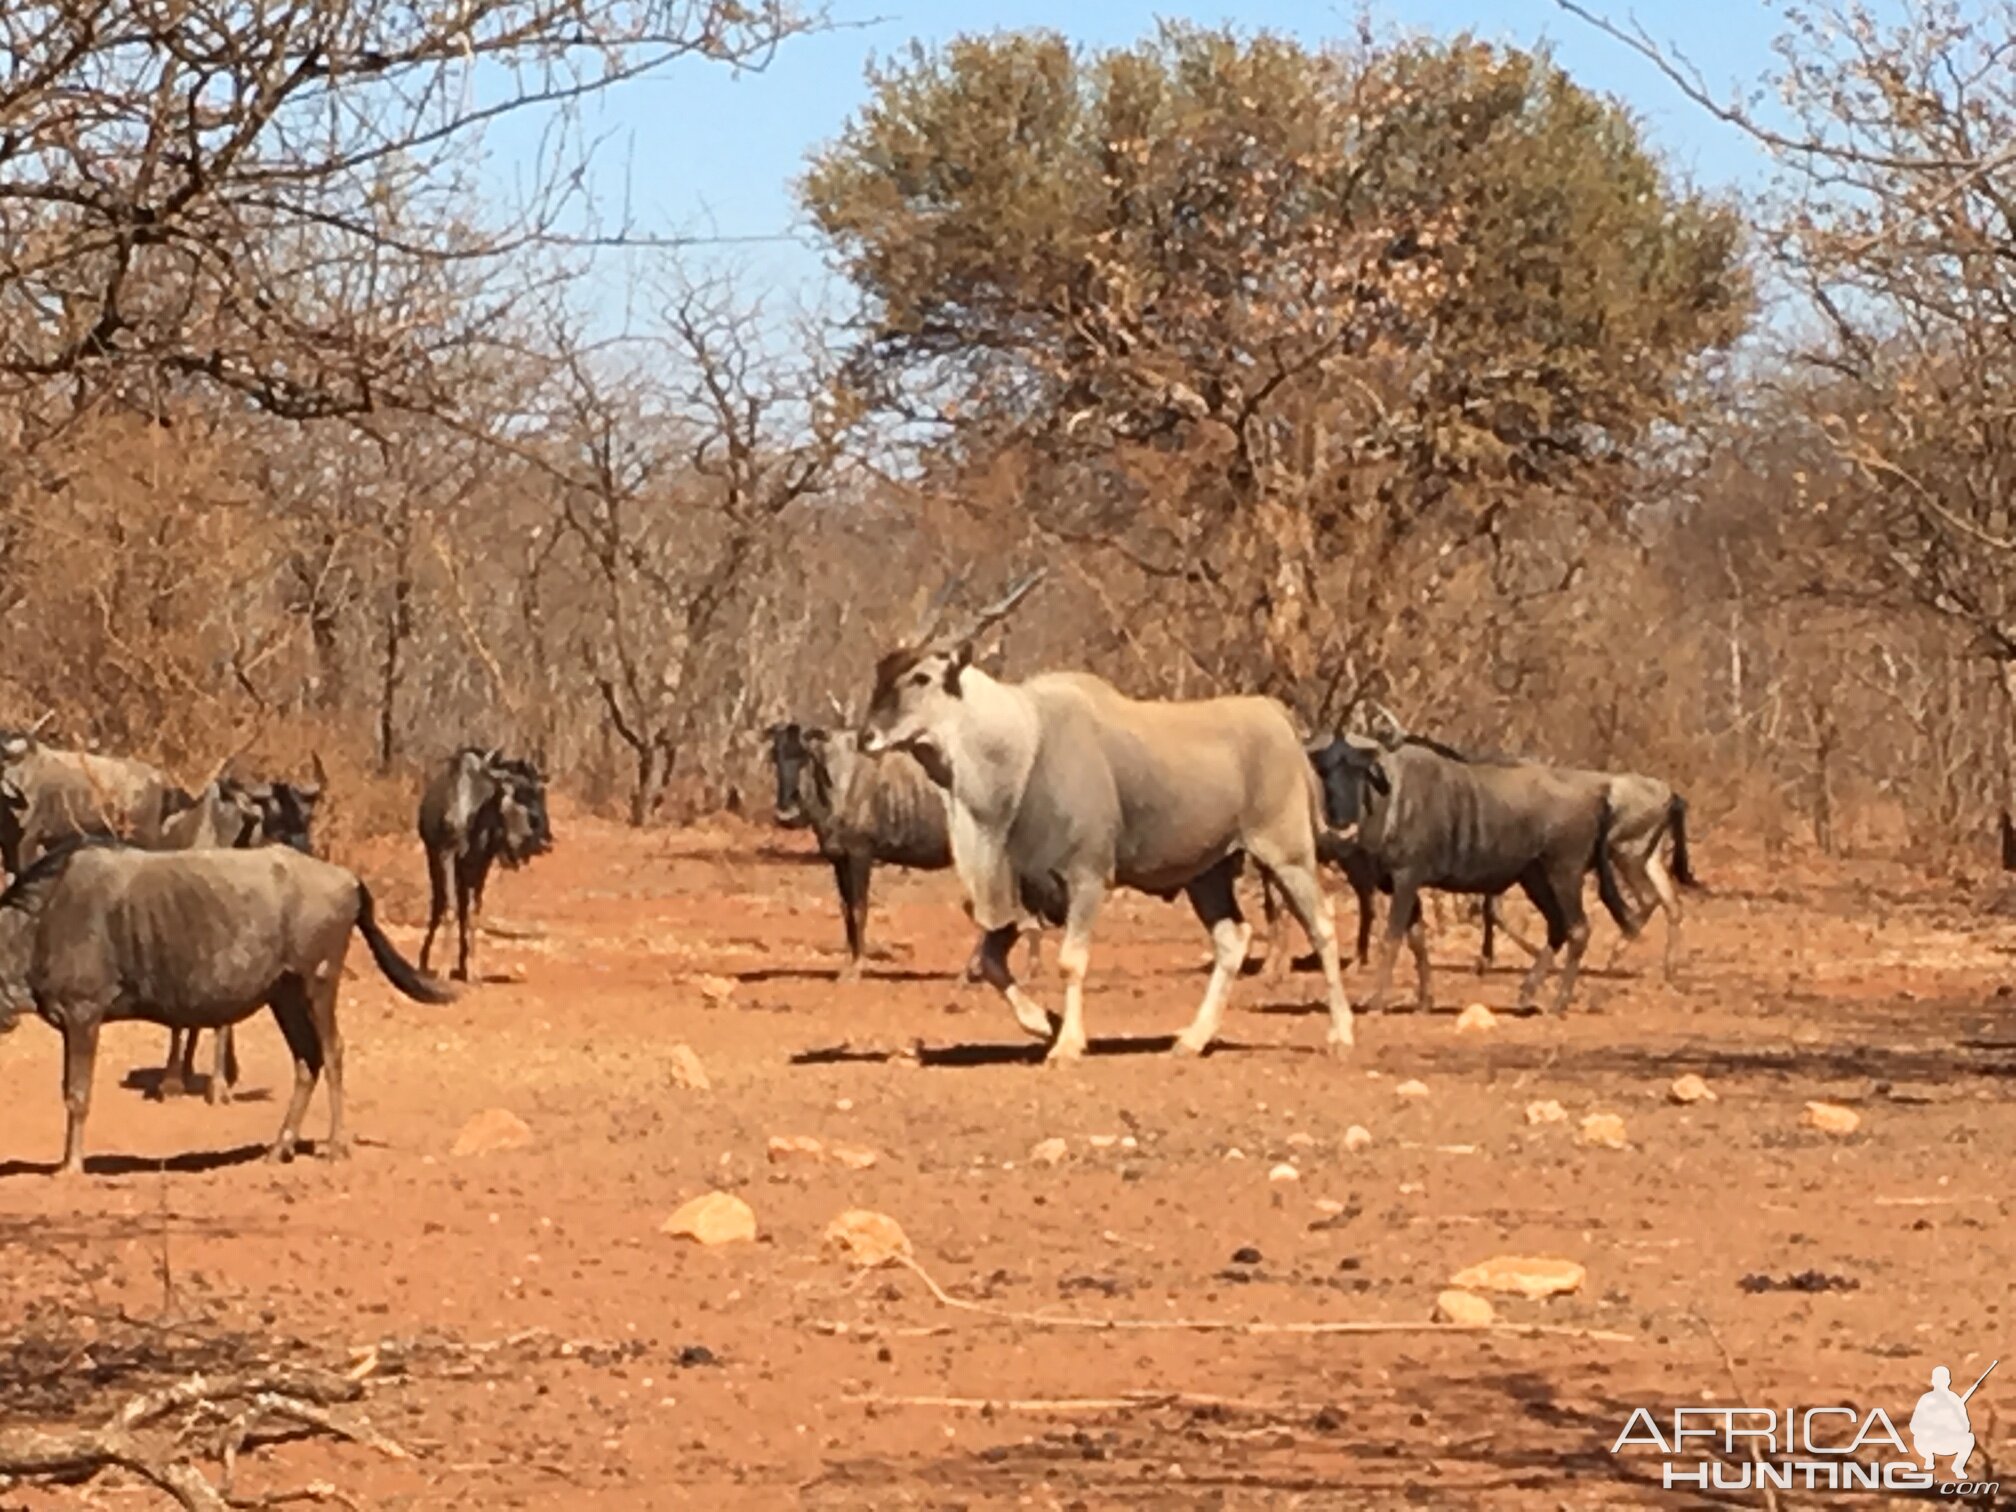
(158, 1434)
(1736, 1385)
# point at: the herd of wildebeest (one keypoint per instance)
(132, 899)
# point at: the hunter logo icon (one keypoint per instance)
(1939, 1423)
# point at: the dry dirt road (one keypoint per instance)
(540, 1343)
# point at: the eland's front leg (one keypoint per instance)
(1314, 912)
(990, 962)
(1073, 956)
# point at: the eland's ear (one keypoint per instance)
(961, 659)
(309, 794)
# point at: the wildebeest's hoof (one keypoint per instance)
(170, 1086)
(336, 1149)
(851, 972)
(459, 974)
(280, 1152)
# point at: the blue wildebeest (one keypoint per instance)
(1428, 820)
(863, 810)
(481, 807)
(95, 933)
(1062, 787)
(230, 815)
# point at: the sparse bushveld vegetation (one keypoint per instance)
(1398, 368)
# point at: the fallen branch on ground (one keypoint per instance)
(1235, 1325)
(158, 1434)
(1119, 1403)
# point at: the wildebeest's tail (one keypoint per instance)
(1676, 820)
(400, 972)
(1606, 872)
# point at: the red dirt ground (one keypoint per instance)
(632, 1370)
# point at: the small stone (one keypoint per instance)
(1476, 1019)
(1300, 1141)
(1049, 1152)
(1464, 1309)
(1411, 1089)
(1329, 1207)
(1689, 1089)
(1604, 1131)
(1102, 1141)
(854, 1157)
(1284, 1172)
(1831, 1118)
(1521, 1275)
(1548, 1112)
(716, 989)
(1235, 1153)
(712, 1218)
(686, 1070)
(866, 1239)
(1357, 1138)
(785, 1147)
(491, 1130)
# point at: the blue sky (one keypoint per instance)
(708, 152)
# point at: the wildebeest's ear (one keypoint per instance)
(1375, 773)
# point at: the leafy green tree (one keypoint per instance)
(1396, 284)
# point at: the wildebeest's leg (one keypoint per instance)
(1366, 901)
(1574, 922)
(1217, 906)
(1399, 914)
(1073, 956)
(80, 1059)
(322, 1006)
(1495, 921)
(175, 1070)
(1417, 941)
(468, 900)
(1540, 890)
(223, 1060)
(992, 961)
(297, 1025)
(1279, 956)
(1313, 911)
(852, 873)
(1669, 899)
(1035, 971)
(437, 903)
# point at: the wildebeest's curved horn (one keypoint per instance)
(321, 772)
(839, 713)
(1000, 609)
(1395, 731)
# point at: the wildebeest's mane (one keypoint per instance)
(35, 877)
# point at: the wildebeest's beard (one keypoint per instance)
(1348, 776)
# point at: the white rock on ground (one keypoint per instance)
(1464, 1309)
(864, 1238)
(491, 1130)
(1830, 1118)
(712, 1218)
(1530, 1276)
(1603, 1131)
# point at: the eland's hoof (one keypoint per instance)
(1063, 1054)
(336, 1149)
(1189, 1048)
(280, 1152)
(1340, 1046)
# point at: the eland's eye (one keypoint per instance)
(919, 679)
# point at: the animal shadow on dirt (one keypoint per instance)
(969, 1057)
(189, 1163)
(147, 1080)
(757, 975)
